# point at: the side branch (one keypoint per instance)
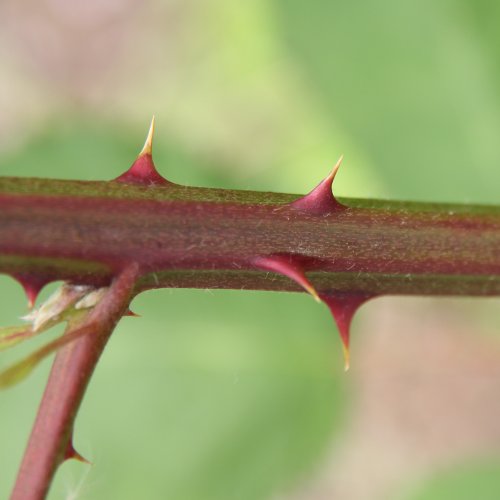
(141, 231)
(50, 442)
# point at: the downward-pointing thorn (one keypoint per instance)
(31, 294)
(343, 306)
(347, 357)
(32, 287)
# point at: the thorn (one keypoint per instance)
(32, 294)
(347, 357)
(32, 286)
(71, 453)
(320, 200)
(343, 306)
(283, 265)
(143, 170)
(131, 313)
(148, 145)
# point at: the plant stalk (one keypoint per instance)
(208, 238)
(51, 436)
(145, 236)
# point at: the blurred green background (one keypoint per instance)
(218, 395)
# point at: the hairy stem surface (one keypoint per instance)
(141, 231)
(195, 237)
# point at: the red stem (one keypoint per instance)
(81, 231)
(68, 380)
(87, 232)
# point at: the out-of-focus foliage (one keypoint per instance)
(470, 480)
(237, 395)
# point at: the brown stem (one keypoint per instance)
(70, 375)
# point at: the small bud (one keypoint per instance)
(92, 297)
(64, 297)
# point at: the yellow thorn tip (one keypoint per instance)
(336, 167)
(312, 291)
(347, 360)
(148, 145)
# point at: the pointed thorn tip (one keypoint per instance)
(337, 166)
(71, 453)
(31, 301)
(131, 313)
(31, 294)
(148, 145)
(343, 306)
(312, 291)
(347, 360)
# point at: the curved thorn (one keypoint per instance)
(320, 200)
(147, 149)
(282, 265)
(335, 169)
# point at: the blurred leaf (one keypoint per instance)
(21, 369)
(12, 335)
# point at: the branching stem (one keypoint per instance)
(70, 374)
(140, 232)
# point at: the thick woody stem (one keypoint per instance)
(51, 437)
